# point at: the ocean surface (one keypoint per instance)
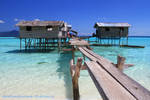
(46, 76)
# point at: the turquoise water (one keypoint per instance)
(48, 74)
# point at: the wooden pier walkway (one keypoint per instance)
(78, 42)
(110, 81)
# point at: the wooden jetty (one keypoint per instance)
(78, 42)
(108, 77)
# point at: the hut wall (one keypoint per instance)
(115, 32)
(41, 32)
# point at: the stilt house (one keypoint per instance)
(43, 29)
(112, 30)
(42, 34)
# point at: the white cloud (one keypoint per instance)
(1, 22)
(16, 19)
(37, 19)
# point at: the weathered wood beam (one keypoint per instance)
(75, 73)
(20, 43)
(73, 55)
(120, 62)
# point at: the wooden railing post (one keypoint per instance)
(75, 73)
(120, 62)
(73, 55)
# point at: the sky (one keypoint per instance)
(81, 14)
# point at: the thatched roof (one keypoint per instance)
(40, 23)
(112, 25)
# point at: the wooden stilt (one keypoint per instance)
(20, 43)
(75, 73)
(127, 41)
(45, 42)
(119, 41)
(34, 43)
(120, 62)
(29, 43)
(40, 43)
(25, 44)
(111, 41)
(59, 43)
(37, 42)
(53, 42)
(73, 49)
(100, 40)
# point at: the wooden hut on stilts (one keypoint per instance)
(112, 33)
(43, 34)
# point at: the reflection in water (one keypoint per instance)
(31, 51)
(64, 72)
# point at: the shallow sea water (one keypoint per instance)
(46, 76)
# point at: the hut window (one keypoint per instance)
(107, 29)
(122, 29)
(49, 28)
(29, 28)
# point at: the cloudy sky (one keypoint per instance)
(81, 14)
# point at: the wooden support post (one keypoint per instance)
(53, 42)
(111, 41)
(20, 43)
(127, 41)
(73, 50)
(65, 42)
(75, 75)
(96, 39)
(40, 43)
(29, 43)
(100, 40)
(120, 62)
(45, 42)
(59, 44)
(37, 43)
(25, 44)
(34, 43)
(119, 41)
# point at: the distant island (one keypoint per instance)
(13, 33)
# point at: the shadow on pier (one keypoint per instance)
(64, 72)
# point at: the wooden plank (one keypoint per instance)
(107, 86)
(78, 42)
(97, 56)
(129, 84)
